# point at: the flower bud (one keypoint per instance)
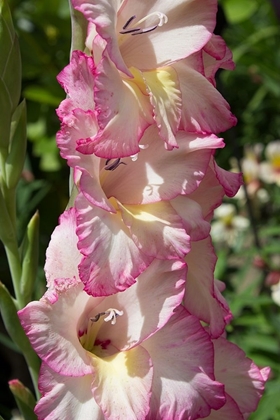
(24, 399)
(30, 258)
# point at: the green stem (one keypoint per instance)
(10, 200)
(33, 363)
(14, 328)
(78, 29)
(11, 245)
(13, 257)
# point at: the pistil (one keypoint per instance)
(111, 313)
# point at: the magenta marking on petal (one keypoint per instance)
(104, 344)
(81, 333)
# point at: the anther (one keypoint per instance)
(129, 21)
(112, 166)
(131, 31)
(144, 31)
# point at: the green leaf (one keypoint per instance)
(5, 122)
(15, 160)
(10, 61)
(6, 341)
(238, 10)
(14, 328)
(10, 76)
(41, 95)
(7, 231)
(269, 407)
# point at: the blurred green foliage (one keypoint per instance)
(252, 31)
(253, 91)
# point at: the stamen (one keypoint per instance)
(135, 30)
(112, 166)
(112, 315)
(129, 21)
(144, 31)
(130, 31)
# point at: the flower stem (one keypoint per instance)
(79, 29)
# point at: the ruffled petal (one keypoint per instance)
(230, 181)
(209, 195)
(111, 260)
(158, 174)
(183, 382)
(62, 350)
(77, 79)
(202, 299)
(192, 217)
(216, 55)
(119, 103)
(62, 261)
(157, 230)
(122, 384)
(66, 398)
(143, 314)
(92, 190)
(204, 109)
(103, 14)
(243, 380)
(78, 125)
(165, 97)
(229, 411)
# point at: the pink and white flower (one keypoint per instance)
(137, 354)
(141, 79)
(125, 217)
(138, 366)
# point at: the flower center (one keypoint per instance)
(275, 161)
(137, 28)
(110, 165)
(89, 339)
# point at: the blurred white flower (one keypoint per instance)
(16, 415)
(227, 225)
(270, 169)
(250, 165)
(273, 280)
(275, 293)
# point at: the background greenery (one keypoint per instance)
(252, 30)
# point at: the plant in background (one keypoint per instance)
(132, 324)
